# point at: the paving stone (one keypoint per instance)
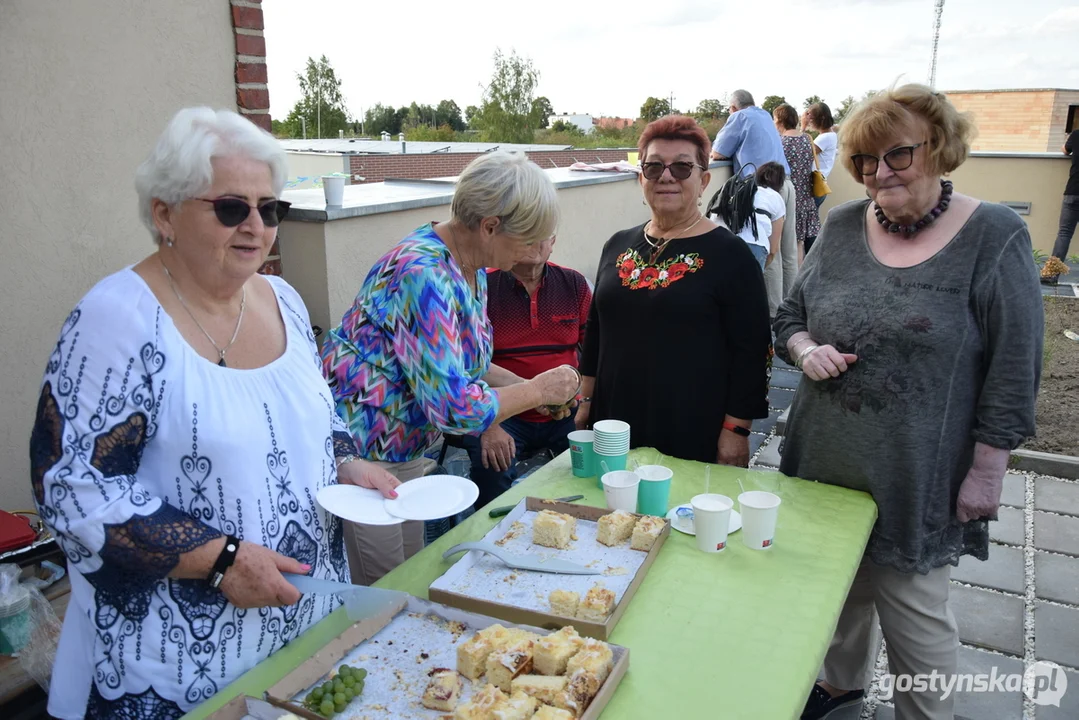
(765, 425)
(1056, 634)
(781, 424)
(1002, 571)
(1015, 490)
(884, 713)
(785, 379)
(988, 619)
(1069, 703)
(780, 398)
(1059, 533)
(770, 455)
(1056, 496)
(755, 441)
(988, 705)
(1008, 527)
(1057, 578)
(777, 362)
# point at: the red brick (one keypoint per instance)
(245, 17)
(250, 72)
(253, 99)
(250, 45)
(262, 120)
(271, 267)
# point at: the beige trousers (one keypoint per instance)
(917, 625)
(374, 550)
(779, 275)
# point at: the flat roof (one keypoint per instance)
(1008, 90)
(350, 146)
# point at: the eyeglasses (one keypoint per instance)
(897, 159)
(233, 211)
(679, 170)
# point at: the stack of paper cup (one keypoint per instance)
(611, 444)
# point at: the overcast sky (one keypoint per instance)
(605, 58)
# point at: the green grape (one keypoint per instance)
(338, 686)
(349, 694)
(327, 708)
(359, 673)
(327, 687)
(344, 671)
(339, 707)
(350, 681)
(338, 698)
(316, 695)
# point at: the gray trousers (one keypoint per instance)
(1069, 218)
(917, 625)
(779, 276)
(374, 550)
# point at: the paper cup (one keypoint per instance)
(711, 521)
(334, 188)
(759, 511)
(620, 490)
(613, 463)
(581, 453)
(655, 489)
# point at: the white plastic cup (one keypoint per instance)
(334, 188)
(759, 512)
(711, 521)
(620, 490)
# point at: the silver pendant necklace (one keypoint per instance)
(221, 351)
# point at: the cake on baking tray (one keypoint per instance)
(553, 529)
(645, 532)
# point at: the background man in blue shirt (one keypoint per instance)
(750, 139)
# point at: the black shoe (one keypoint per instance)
(820, 704)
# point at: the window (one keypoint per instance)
(1073, 119)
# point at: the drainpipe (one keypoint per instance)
(401, 137)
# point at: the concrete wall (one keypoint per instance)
(1017, 120)
(1038, 180)
(305, 168)
(328, 261)
(86, 88)
(376, 168)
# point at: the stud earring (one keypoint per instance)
(168, 241)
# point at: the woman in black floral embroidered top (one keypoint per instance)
(678, 343)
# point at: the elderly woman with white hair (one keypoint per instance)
(179, 397)
(412, 356)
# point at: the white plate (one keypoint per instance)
(355, 503)
(684, 523)
(432, 497)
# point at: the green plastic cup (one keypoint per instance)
(613, 462)
(655, 489)
(15, 622)
(581, 453)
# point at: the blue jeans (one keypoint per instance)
(529, 438)
(1069, 218)
(820, 200)
(760, 253)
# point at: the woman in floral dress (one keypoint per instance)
(678, 343)
(798, 149)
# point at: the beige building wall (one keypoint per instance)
(304, 168)
(86, 88)
(327, 262)
(1038, 180)
(1018, 120)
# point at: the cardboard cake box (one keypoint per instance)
(276, 701)
(447, 589)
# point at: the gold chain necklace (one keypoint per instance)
(221, 351)
(660, 244)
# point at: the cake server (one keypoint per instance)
(360, 601)
(505, 509)
(523, 562)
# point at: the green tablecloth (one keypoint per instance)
(739, 634)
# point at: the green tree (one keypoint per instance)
(561, 126)
(542, 110)
(711, 109)
(471, 113)
(811, 100)
(508, 113)
(448, 113)
(321, 104)
(772, 102)
(655, 108)
(380, 118)
(419, 115)
(848, 104)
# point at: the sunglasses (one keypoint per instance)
(899, 158)
(679, 170)
(233, 211)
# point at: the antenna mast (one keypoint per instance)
(938, 10)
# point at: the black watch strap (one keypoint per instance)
(224, 561)
(736, 429)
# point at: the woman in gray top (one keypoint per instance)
(918, 325)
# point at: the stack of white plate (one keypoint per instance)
(426, 498)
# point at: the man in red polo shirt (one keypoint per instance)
(538, 311)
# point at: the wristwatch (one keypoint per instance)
(224, 561)
(736, 429)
